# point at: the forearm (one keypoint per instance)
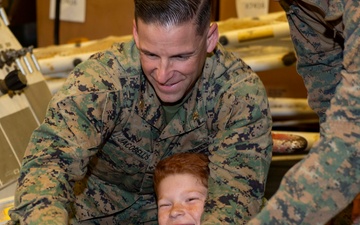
(56, 157)
(44, 189)
(327, 180)
(239, 161)
(40, 208)
(238, 195)
(317, 188)
(236, 198)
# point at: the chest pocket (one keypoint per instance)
(122, 162)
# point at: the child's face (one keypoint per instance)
(181, 199)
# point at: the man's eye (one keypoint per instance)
(150, 55)
(181, 57)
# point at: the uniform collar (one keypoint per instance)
(189, 116)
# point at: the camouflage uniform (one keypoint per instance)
(326, 36)
(105, 130)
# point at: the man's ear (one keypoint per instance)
(212, 37)
(135, 33)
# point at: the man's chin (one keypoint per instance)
(171, 101)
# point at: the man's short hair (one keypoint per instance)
(174, 12)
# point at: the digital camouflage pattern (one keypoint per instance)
(326, 38)
(105, 131)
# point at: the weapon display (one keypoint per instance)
(24, 96)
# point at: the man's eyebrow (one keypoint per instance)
(184, 54)
(175, 55)
(145, 51)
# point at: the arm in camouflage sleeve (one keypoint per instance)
(326, 181)
(240, 154)
(59, 150)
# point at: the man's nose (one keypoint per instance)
(162, 72)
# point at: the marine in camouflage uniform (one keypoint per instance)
(105, 130)
(326, 38)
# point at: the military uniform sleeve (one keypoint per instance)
(328, 178)
(240, 154)
(77, 120)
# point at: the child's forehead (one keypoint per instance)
(180, 185)
(182, 177)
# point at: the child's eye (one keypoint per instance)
(192, 199)
(164, 205)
